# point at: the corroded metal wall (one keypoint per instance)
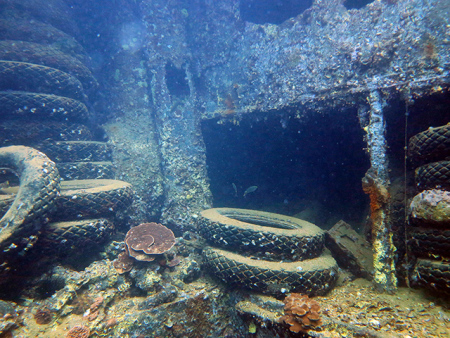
(133, 136)
(326, 53)
(327, 56)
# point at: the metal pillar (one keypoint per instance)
(375, 184)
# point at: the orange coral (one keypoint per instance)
(78, 331)
(96, 304)
(111, 323)
(93, 309)
(301, 313)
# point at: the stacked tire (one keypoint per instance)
(45, 88)
(429, 218)
(266, 252)
(64, 219)
(45, 85)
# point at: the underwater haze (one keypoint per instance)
(224, 168)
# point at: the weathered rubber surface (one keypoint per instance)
(431, 208)
(5, 203)
(76, 151)
(55, 13)
(312, 277)
(425, 242)
(22, 51)
(29, 77)
(86, 170)
(63, 238)
(262, 234)
(430, 145)
(80, 199)
(34, 202)
(434, 275)
(30, 133)
(433, 175)
(14, 104)
(92, 198)
(23, 29)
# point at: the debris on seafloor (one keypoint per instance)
(348, 311)
(350, 250)
(300, 312)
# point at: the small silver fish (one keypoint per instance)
(235, 189)
(250, 189)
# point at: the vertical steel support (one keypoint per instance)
(375, 184)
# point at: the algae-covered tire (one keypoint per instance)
(262, 234)
(433, 175)
(55, 13)
(430, 145)
(5, 203)
(27, 105)
(431, 208)
(30, 133)
(29, 77)
(86, 170)
(425, 242)
(34, 202)
(76, 151)
(92, 198)
(62, 238)
(432, 274)
(312, 277)
(22, 51)
(19, 27)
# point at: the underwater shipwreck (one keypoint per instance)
(226, 168)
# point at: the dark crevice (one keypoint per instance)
(177, 82)
(309, 167)
(270, 11)
(356, 4)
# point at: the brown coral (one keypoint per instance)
(93, 309)
(148, 239)
(78, 331)
(96, 304)
(301, 313)
(43, 316)
(143, 242)
(123, 263)
(111, 323)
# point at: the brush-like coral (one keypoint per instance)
(301, 313)
(78, 331)
(93, 311)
